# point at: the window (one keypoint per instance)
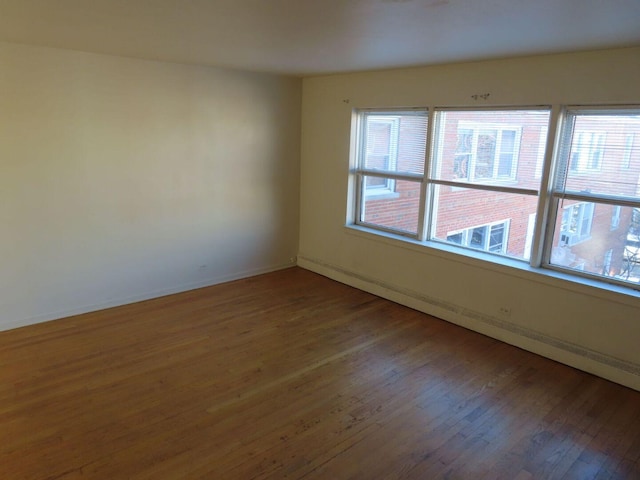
(576, 223)
(490, 238)
(390, 166)
(471, 179)
(594, 193)
(615, 217)
(587, 151)
(472, 151)
(486, 151)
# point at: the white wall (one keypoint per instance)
(583, 326)
(123, 179)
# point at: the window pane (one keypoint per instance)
(600, 155)
(396, 209)
(495, 222)
(394, 142)
(585, 240)
(490, 146)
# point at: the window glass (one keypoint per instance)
(490, 146)
(394, 142)
(494, 222)
(600, 154)
(597, 195)
(397, 211)
(583, 240)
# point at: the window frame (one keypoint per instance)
(549, 199)
(556, 191)
(360, 171)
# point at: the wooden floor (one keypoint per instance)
(291, 375)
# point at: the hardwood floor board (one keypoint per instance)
(614, 439)
(473, 439)
(362, 411)
(318, 386)
(408, 426)
(291, 375)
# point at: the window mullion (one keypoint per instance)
(426, 189)
(547, 205)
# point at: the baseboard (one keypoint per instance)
(46, 317)
(597, 363)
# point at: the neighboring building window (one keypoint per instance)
(490, 238)
(576, 223)
(615, 217)
(476, 185)
(486, 152)
(587, 151)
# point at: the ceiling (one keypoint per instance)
(306, 37)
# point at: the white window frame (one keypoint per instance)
(552, 195)
(558, 193)
(361, 172)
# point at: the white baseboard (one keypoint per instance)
(597, 363)
(46, 317)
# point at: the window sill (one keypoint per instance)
(504, 265)
(381, 195)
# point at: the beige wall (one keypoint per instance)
(124, 179)
(584, 326)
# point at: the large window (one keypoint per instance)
(483, 181)
(391, 165)
(595, 192)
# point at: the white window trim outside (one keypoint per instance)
(528, 242)
(606, 262)
(541, 151)
(615, 217)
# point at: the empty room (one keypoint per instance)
(354, 239)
